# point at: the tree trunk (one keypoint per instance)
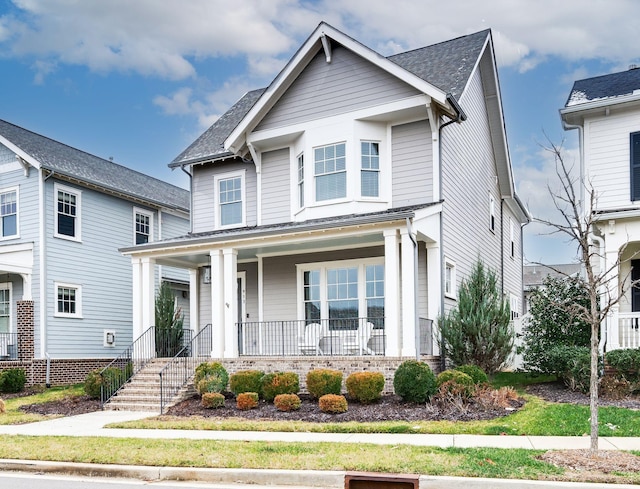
(593, 387)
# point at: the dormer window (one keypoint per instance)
(330, 172)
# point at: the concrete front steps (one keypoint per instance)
(142, 392)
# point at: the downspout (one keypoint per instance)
(502, 247)
(190, 198)
(460, 117)
(416, 327)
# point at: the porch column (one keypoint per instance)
(148, 292)
(434, 290)
(408, 295)
(194, 314)
(391, 293)
(136, 289)
(612, 320)
(26, 287)
(230, 302)
(217, 304)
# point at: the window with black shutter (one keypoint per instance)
(635, 166)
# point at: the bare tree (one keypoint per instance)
(578, 221)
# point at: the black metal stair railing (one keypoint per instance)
(177, 372)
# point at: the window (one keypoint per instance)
(330, 172)
(67, 217)
(512, 238)
(514, 306)
(143, 226)
(370, 164)
(301, 180)
(450, 279)
(230, 201)
(68, 300)
(9, 213)
(635, 166)
(492, 213)
(342, 292)
(5, 307)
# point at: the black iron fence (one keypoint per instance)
(344, 336)
(175, 374)
(8, 346)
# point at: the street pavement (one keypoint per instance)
(94, 425)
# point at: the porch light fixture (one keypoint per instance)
(206, 275)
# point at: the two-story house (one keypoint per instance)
(65, 290)
(336, 211)
(606, 111)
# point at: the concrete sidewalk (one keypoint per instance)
(93, 424)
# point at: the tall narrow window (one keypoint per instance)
(514, 306)
(492, 213)
(312, 296)
(230, 198)
(374, 290)
(9, 213)
(5, 308)
(68, 300)
(67, 213)
(330, 172)
(635, 166)
(369, 176)
(450, 279)
(301, 180)
(143, 227)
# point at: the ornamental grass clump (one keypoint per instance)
(212, 400)
(414, 381)
(287, 402)
(279, 383)
(246, 381)
(210, 377)
(333, 404)
(3, 408)
(247, 400)
(365, 387)
(324, 381)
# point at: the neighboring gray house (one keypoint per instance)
(337, 211)
(535, 275)
(65, 290)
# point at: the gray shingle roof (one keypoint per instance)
(74, 163)
(604, 87)
(446, 65)
(534, 275)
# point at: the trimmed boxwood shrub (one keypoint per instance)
(279, 383)
(456, 381)
(476, 373)
(113, 377)
(414, 381)
(92, 384)
(365, 387)
(626, 362)
(13, 380)
(333, 404)
(212, 400)
(324, 381)
(247, 400)
(210, 377)
(287, 402)
(246, 381)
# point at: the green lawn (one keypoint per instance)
(13, 415)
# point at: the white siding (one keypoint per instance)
(607, 154)
(325, 89)
(412, 155)
(276, 187)
(204, 194)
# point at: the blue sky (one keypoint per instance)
(139, 81)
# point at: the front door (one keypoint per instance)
(635, 290)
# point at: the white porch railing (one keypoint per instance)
(629, 329)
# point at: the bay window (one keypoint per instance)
(370, 169)
(330, 172)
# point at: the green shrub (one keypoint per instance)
(476, 373)
(414, 381)
(333, 404)
(479, 329)
(324, 381)
(279, 383)
(365, 387)
(626, 362)
(455, 380)
(287, 402)
(247, 400)
(111, 377)
(13, 380)
(93, 383)
(554, 322)
(572, 364)
(210, 377)
(246, 381)
(212, 400)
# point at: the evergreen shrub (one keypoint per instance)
(414, 381)
(365, 387)
(333, 404)
(276, 383)
(246, 381)
(324, 381)
(247, 400)
(456, 380)
(210, 377)
(212, 400)
(13, 380)
(476, 373)
(287, 402)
